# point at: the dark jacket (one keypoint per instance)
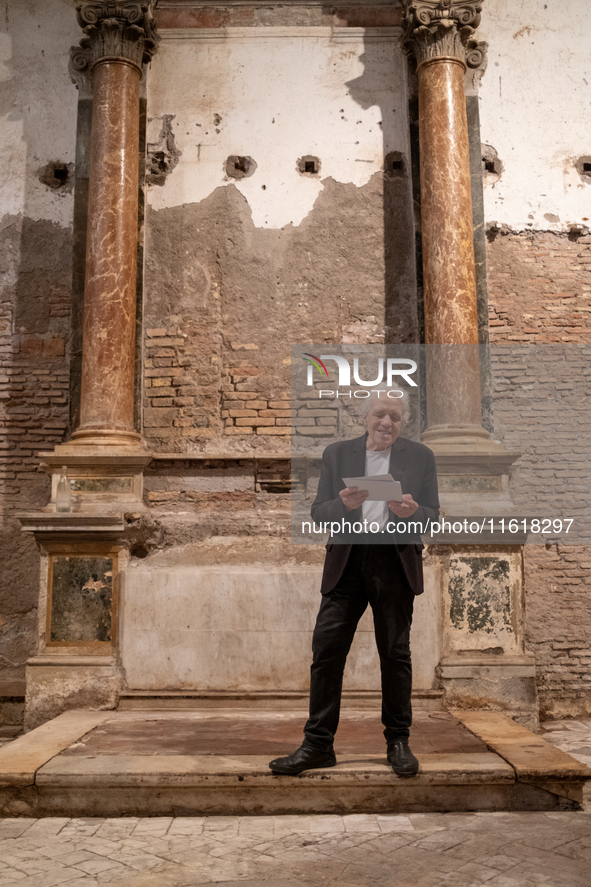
(413, 464)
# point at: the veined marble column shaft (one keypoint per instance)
(118, 40)
(446, 205)
(108, 350)
(439, 31)
(449, 272)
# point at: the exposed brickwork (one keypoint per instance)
(558, 584)
(540, 293)
(35, 261)
(181, 382)
(246, 409)
(539, 288)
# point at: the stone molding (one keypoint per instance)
(443, 29)
(113, 30)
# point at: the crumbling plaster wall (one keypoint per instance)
(534, 111)
(38, 127)
(239, 268)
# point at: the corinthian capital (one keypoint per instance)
(442, 28)
(112, 29)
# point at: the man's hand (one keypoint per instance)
(406, 508)
(353, 498)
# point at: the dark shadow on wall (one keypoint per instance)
(383, 64)
(35, 287)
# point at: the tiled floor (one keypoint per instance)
(418, 850)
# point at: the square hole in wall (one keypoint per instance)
(394, 165)
(583, 167)
(308, 165)
(240, 167)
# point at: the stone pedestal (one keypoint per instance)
(102, 482)
(484, 664)
(77, 662)
(245, 629)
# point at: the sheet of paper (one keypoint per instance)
(381, 487)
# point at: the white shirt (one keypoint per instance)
(376, 462)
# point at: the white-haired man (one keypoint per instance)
(382, 568)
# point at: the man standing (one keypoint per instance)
(382, 568)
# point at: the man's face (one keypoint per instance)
(383, 423)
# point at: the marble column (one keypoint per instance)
(439, 32)
(118, 39)
(484, 663)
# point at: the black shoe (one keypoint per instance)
(402, 759)
(305, 758)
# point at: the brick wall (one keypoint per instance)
(246, 408)
(34, 384)
(558, 584)
(539, 288)
(540, 293)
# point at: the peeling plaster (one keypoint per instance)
(37, 106)
(163, 154)
(534, 109)
(238, 96)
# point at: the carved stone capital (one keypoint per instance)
(79, 70)
(443, 29)
(477, 61)
(123, 29)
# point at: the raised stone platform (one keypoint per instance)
(216, 762)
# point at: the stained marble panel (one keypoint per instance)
(81, 599)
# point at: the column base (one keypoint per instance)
(484, 665)
(466, 439)
(107, 437)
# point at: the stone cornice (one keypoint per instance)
(123, 30)
(443, 29)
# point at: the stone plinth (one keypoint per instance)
(152, 763)
(76, 663)
(101, 481)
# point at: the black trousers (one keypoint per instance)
(373, 575)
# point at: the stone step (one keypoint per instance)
(210, 762)
(276, 700)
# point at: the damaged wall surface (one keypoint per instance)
(534, 110)
(37, 148)
(237, 267)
